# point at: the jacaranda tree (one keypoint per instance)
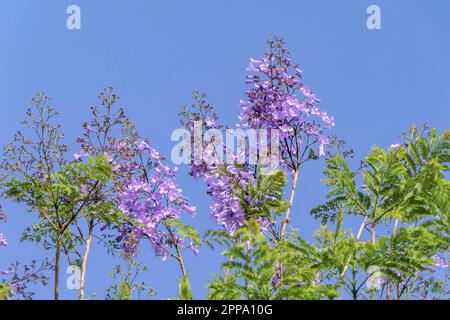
(118, 191)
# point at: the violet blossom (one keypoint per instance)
(439, 262)
(142, 186)
(279, 99)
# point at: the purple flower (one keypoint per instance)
(265, 223)
(194, 247)
(439, 262)
(210, 122)
(276, 277)
(90, 130)
(423, 295)
(3, 240)
(189, 209)
(80, 154)
(3, 217)
(143, 145)
(395, 147)
(82, 140)
(256, 65)
(84, 189)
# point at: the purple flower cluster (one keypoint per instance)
(439, 262)
(18, 277)
(280, 100)
(223, 185)
(3, 240)
(142, 187)
(224, 181)
(149, 201)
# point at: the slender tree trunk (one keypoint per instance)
(396, 226)
(85, 259)
(57, 258)
(374, 234)
(388, 290)
(360, 231)
(287, 218)
(291, 202)
(374, 240)
(179, 256)
(388, 284)
(227, 272)
(181, 262)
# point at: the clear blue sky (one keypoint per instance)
(154, 53)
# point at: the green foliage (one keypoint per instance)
(60, 199)
(401, 195)
(127, 286)
(266, 195)
(61, 193)
(185, 292)
(5, 291)
(253, 270)
(185, 232)
(405, 185)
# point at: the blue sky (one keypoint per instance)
(375, 83)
